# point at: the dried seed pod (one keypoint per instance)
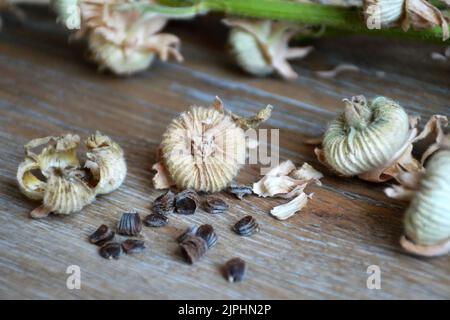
(235, 270)
(156, 220)
(246, 226)
(240, 191)
(106, 162)
(131, 246)
(366, 137)
(193, 248)
(130, 224)
(215, 205)
(261, 47)
(187, 233)
(427, 220)
(186, 202)
(111, 250)
(204, 148)
(207, 233)
(164, 204)
(102, 235)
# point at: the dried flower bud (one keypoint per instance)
(261, 47)
(416, 13)
(427, 220)
(204, 148)
(125, 42)
(106, 162)
(366, 136)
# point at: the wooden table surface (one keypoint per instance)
(47, 88)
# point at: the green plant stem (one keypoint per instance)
(340, 18)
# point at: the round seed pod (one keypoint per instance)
(203, 149)
(366, 136)
(427, 219)
(106, 162)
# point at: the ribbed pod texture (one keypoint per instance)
(352, 151)
(427, 220)
(203, 149)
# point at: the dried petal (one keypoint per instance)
(102, 235)
(246, 226)
(130, 224)
(156, 220)
(287, 210)
(186, 202)
(193, 248)
(306, 172)
(215, 205)
(164, 204)
(240, 191)
(131, 246)
(111, 250)
(207, 233)
(235, 270)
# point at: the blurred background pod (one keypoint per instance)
(68, 13)
(427, 219)
(366, 136)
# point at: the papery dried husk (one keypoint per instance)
(106, 162)
(287, 210)
(427, 220)
(260, 47)
(65, 193)
(68, 12)
(386, 12)
(57, 152)
(286, 181)
(365, 137)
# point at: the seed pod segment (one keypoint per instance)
(207, 233)
(156, 220)
(193, 248)
(102, 235)
(186, 202)
(131, 246)
(215, 205)
(235, 270)
(111, 250)
(246, 226)
(130, 224)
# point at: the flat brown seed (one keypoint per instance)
(131, 246)
(189, 232)
(156, 220)
(102, 235)
(111, 250)
(193, 248)
(235, 270)
(215, 205)
(240, 191)
(207, 233)
(186, 202)
(130, 224)
(164, 204)
(246, 226)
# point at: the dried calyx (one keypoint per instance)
(261, 47)
(55, 175)
(427, 219)
(122, 41)
(204, 148)
(419, 14)
(374, 141)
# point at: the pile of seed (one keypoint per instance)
(194, 242)
(129, 225)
